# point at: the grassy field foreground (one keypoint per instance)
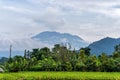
(60, 76)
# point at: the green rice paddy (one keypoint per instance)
(60, 76)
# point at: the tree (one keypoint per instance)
(116, 53)
(66, 66)
(80, 66)
(56, 48)
(35, 53)
(3, 60)
(86, 50)
(62, 58)
(47, 64)
(40, 53)
(82, 57)
(117, 48)
(93, 64)
(45, 51)
(61, 53)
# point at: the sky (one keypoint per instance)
(89, 19)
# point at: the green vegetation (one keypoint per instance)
(62, 58)
(60, 76)
(3, 60)
(61, 63)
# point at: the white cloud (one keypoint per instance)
(90, 19)
(20, 44)
(17, 9)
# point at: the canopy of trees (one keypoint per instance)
(61, 58)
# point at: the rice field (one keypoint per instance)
(60, 76)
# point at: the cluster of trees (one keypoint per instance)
(3, 60)
(61, 58)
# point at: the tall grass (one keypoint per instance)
(60, 76)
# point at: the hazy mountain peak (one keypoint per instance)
(51, 37)
(107, 38)
(54, 33)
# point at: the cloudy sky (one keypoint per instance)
(89, 19)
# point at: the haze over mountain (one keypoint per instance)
(48, 39)
(52, 38)
(18, 46)
(105, 45)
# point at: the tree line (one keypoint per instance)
(62, 58)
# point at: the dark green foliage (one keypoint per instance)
(62, 58)
(87, 51)
(3, 60)
(117, 48)
(40, 53)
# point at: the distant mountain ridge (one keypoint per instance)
(49, 39)
(52, 38)
(105, 45)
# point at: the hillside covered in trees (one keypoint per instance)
(105, 45)
(62, 58)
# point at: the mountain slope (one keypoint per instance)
(52, 38)
(105, 45)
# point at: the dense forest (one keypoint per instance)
(62, 58)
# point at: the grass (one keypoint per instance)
(60, 76)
